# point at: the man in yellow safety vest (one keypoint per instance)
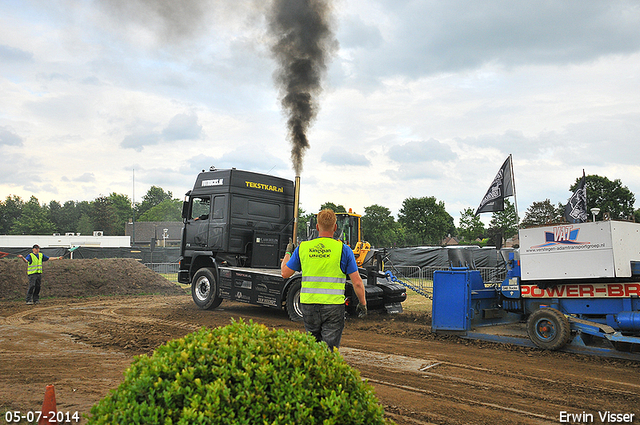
(325, 264)
(34, 272)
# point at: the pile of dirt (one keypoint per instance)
(84, 278)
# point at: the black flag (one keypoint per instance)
(576, 209)
(501, 187)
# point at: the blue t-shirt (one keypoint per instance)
(28, 257)
(347, 262)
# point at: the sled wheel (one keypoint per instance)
(204, 289)
(293, 302)
(549, 329)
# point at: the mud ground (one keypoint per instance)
(113, 310)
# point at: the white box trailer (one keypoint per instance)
(602, 249)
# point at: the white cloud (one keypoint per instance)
(84, 178)
(182, 127)
(421, 152)
(422, 99)
(9, 137)
(13, 54)
(423, 38)
(343, 157)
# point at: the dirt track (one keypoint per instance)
(83, 346)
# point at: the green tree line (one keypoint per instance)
(425, 221)
(420, 221)
(108, 214)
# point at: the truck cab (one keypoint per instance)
(238, 217)
(237, 225)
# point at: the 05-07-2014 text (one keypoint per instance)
(15, 416)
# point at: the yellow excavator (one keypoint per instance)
(350, 232)
(384, 291)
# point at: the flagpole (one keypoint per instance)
(585, 192)
(515, 200)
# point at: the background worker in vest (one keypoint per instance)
(34, 271)
(325, 264)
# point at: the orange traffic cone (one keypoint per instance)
(48, 407)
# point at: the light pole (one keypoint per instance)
(133, 209)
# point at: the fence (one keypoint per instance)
(421, 278)
(418, 277)
(168, 270)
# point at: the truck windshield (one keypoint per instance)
(200, 208)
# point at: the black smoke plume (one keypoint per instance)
(304, 41)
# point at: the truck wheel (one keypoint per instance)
(549, 329)
(204, 289)
(293, 302)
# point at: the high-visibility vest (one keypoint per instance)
(36, 264)
(323, 281)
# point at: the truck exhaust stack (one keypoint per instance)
(296, 204)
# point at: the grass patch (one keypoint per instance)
(171, 277)
(416, 303)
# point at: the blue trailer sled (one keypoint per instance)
(569, 287)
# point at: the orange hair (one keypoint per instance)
(326, 220)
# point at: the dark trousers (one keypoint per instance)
(325, 322)
(35, 280)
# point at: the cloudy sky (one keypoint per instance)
(421, 98)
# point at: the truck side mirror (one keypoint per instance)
(185, 205)
(185, 209)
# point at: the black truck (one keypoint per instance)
(237, 225)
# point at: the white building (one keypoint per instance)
(68, 240)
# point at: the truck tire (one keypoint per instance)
(549, 329)
(293, 302)
(204, 289)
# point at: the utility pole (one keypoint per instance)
(133, 210)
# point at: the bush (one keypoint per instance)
(241, 374)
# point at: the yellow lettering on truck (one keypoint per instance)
(263, 186)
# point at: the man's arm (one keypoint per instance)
(350, 267)
(285, 271)
(45, 258)
(358, 287)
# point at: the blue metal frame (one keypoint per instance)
(460, 300)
